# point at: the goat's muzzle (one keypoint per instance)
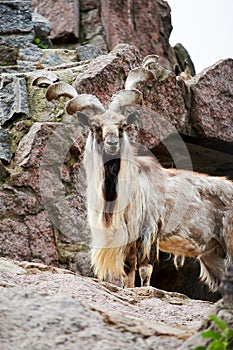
(111, 144)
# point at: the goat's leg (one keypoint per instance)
(145, 273)
(130, 266)
(212, 264)
(145, 264)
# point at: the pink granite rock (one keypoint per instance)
(212, 102)
(63, 17)
(106, 74)
(164, 112)
(45, 144)
(29, 238)
(146, 24)
(16, 203)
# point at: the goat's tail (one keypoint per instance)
(213, 264)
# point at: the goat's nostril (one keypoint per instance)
(112, 142)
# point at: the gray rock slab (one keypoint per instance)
(13, 97)
(5, 145)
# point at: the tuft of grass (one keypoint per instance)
(221, 339)
(4, 63)
(38, 42)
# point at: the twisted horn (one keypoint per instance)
(150, 61)
(125, 98)
(45, 81)
(83, 101)
(137, 75)
(77, 102)
(59, 89)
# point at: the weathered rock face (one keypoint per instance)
(52, 303)
(144, 24)
(224, 312)
(25, 230)
(5, 145)
(8, 55)
(63, 17)
(13, 98)
(42, 29)
(88, 52)
(106, 74)
(106, 24)
(164, 111)
(212, 102)
(16, 23)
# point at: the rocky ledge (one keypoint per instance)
(44, 307)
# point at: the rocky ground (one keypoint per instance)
(44, 307)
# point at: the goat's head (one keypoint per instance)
(107, 126)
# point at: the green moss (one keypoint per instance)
(38, 42)
(17, 135)
(4, 64)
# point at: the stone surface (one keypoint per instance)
(145, 25)
(63, 16)
(4, 173)
(58, 56)
(106, 24)
(26, 232)
(212, 102)
(16, 23)
(227, 288)
(182, 55)
(164, 112)
(92, 27)
(88, 4)
(224, 312)
(29, 237)
(106, 74)
(63, 310)
(13, 98)
(29, 53)
(41, 155)
(8, 55)
(43, 145)
(88, 52)
(42, 29)
(5, 145)
(14, 203)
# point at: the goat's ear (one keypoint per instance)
(132, 117)
(84, 119)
